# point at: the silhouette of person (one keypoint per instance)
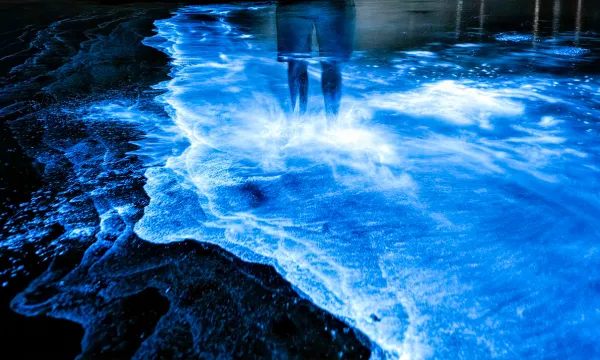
(334, 22)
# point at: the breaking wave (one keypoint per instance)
(451, 210)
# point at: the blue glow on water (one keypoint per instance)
(451, 212)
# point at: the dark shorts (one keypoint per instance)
(334, 22)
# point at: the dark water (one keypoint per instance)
(449, 210)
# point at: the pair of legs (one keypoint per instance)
(331, 85)
(333, 21)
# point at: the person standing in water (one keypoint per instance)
(334, 22)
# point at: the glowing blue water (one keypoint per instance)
(452, 212)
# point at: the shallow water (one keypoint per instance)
(452, 209)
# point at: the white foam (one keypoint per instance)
(549, 121)
(426, 54)
(452, 101)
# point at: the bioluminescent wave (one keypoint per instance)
(451, 212)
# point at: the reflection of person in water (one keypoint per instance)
(334, 24)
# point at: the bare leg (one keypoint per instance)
(331, 84)
(298, 83)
